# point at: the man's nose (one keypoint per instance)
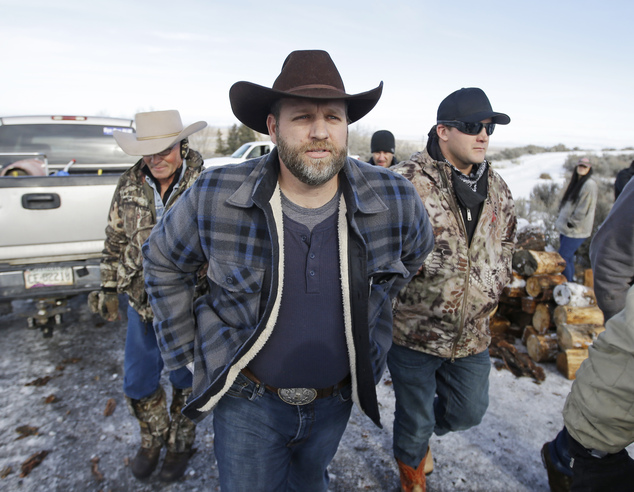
(319, 129)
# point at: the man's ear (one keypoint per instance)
(442, 131)
(271, 125)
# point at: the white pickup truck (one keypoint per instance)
(249, 150)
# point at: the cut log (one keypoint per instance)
(527, 262)
(543, 317)
(574, 295)
(577, 336)
(498, 324)
(569, 361)
(529, 304)
(570, 315)
(537, 284)
(588, 278)
(542, 348)
(531, 238)
(528, 331)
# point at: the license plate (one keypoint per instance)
(48, 277)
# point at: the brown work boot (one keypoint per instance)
(180, 440)
(145, 461)
(429, 462)
(151, 413)
(412, 480)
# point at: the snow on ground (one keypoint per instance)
(84, 360)
(523, 173)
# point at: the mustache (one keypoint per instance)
(309, 147)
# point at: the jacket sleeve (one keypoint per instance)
(419, 243)
(612, 255)
(508, 242)
(115, 243)
(172, 256)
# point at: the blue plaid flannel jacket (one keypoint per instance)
(230, 219)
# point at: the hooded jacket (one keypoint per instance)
(130, 220)
(232, 219)
(598, 412)
(444, 311)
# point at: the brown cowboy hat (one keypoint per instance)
(155, 132)
(309, 74)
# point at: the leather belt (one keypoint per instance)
(298, 396)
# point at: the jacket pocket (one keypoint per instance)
(235, 291)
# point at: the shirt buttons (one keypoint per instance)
(229, 280)
(311, 273)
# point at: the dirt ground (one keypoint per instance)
(60, 388)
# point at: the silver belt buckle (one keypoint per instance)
(297, 396)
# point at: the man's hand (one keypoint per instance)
(105, 304)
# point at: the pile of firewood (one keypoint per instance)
(556, 320)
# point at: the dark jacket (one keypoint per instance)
(612, 254)
(232, 219)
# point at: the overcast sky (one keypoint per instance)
(562, 70)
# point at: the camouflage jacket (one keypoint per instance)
(444, 310)
(130, 221)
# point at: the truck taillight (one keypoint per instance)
(71, 118)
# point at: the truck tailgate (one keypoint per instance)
(53, 218)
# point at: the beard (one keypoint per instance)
(313, 172)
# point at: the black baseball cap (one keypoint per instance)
(470, 105)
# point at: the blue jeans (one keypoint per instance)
(568, 246)
(264, 444)
(434, 395)
(143, 364)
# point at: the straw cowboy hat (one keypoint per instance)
(307, 74)
(155, 132)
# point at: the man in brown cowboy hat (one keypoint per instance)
(144, 192)
(306, 249)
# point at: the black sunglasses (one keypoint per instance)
(469, 128)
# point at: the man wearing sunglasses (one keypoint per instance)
(439, 361)
(165, 169)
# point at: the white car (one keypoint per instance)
(249, 150)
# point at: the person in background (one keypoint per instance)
(612, 259)
(440, 359)
(622, 178)
(576, 214)
(306, 250)
(143, 194)
(383, 147)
